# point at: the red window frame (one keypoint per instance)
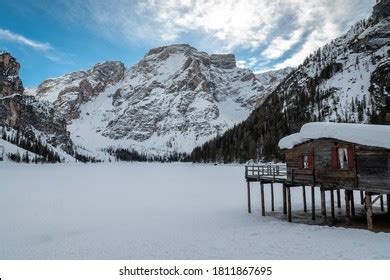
(310, 161)
(351, 157)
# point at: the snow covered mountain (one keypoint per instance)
(175, 98)
(348, 80)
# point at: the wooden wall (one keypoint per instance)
(373, 168)
(325, 172)
(369, 169)
(295, 172)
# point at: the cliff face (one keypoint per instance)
(26, 114)
(10, 82)
(381, 10)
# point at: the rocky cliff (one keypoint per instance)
(24, 113)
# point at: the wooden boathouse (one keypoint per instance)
(335, 158)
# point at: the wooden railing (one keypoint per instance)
(258, 171)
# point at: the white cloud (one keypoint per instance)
(7, 35)
(250, 63)
(267, 29)
(280, 45)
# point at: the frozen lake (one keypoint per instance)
(157, 211)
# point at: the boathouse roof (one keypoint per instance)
(363, 134)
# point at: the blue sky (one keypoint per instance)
(53, 37)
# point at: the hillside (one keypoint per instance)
(348, 80)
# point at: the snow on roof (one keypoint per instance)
(363, 134)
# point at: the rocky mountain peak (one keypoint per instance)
(109, 72)
(24, 113)
(224, 61)
(171, 100)
(381, 10)
(176, 48)
(10, 82)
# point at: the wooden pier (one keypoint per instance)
(269, 175)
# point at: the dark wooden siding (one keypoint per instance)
(373, 168)
(325, 172)
(295, 171)
(369, 170)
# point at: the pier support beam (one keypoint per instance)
(289, 214)
(272, 198)
(284, 199)
(332, 204)
(304, 198)
(352, 199)
(323, 207)
(361, 198)
(370, 224)
(262, 199)
(338, 199)
(313, 203)
(388, 203)
(248, 184)
(347, 208)
(382, 204)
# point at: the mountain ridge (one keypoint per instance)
(347, 80)
(174, 98)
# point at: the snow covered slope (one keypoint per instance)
(347, 80)
(175, 98)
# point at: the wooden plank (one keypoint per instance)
(323, 206)
(370, 225)
(262, 199)
(338, 199)
(313, 204)
(332, 204)
(388, 203)
(289, 214)
(304, 198)
(272, 198)
(352, 199)
(249, 197)
(382, 204)
(347, 208)
(284, 199)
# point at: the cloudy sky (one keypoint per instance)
(53, 37)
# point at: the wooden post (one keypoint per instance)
(313, 204)
(370, 225)
(347, 209)
(382, 204)
(388, 203)
(272, 198)
(284, 199)
(289, 215)
(352, 199)
(249, 197)
(262, 199)
(323, 206)
(361, 198)
(332, 203)
(338, 199)
(304, 198)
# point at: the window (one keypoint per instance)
(343, 158)
(306, 161)
(343, 161)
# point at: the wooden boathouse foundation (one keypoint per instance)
(276, 178)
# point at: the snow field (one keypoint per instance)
(158, 211)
